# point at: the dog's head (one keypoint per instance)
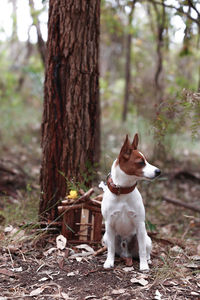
(133, 162)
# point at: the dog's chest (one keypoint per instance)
(123, 212)
(123, 219)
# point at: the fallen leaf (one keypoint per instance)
(157, 295)
(177, 249)
(141, 281)
(90, 297)
(118, 292)
(43, 279)
(128, 269)
(72, 273)
(195, 294)
(37, 291)
(64, 296)
(195, 257)
(61, 242)
(85, 247)
(79, 259)
(192, 266)
(8, 228)
(17, 269)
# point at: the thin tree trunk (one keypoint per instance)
(160, 43)
(14, 21)
(29, 49)
(128, 64)
(127, 77)
(41, 43)
(70, 128)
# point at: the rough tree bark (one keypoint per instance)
(70, 128)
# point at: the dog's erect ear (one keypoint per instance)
(126, 149)
(135, 141)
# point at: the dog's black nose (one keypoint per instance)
(157, 172)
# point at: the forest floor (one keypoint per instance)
(39, 270)
(32, 266)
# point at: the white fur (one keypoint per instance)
(124, 216)
(148, 170)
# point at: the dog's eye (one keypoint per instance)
(141, 163)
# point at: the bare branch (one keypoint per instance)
(178, 9)
(191, 4)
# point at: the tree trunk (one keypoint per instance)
(70, 128)
(128, 64)
(41, 43)
(14, 37)
(127, 77)
(161, 23)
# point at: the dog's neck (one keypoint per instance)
(120, 178)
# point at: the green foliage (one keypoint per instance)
(88, 175)
(177, 117)
(150, 227)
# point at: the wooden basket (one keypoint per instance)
(82, 219)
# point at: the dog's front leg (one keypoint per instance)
(109, 239)
(141, 236)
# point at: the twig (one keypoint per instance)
(94, 271)
(12, 262)
(24, 259)
(178, 9)
(40, 267)
(100, 251)
(180, 203)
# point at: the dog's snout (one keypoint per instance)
(157, 172)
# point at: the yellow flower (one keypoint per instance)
(72, 195)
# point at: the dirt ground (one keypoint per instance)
(38, 271)
(32, 266)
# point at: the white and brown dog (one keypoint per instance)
(123, 209)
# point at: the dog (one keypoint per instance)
(122, 206)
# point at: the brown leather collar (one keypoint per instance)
(118, 190)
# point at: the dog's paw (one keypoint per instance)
(144, 267)
(108, 264)
(149, 261)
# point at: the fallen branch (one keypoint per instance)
(183, 204)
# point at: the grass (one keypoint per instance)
(22, 210)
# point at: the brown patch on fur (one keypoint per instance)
(130, 160)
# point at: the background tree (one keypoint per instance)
(41, 43)
(128, 60)
(70, 127)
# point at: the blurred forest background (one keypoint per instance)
(149, 83)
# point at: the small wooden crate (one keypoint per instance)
(82, 219)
